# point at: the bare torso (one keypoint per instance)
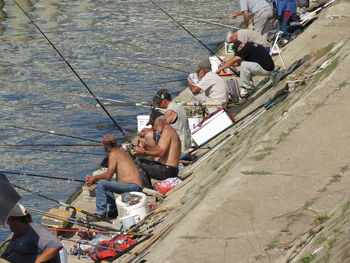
(171, 141)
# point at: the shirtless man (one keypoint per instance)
(168, 150)
(128, 180)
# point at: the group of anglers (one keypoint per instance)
(157, 152)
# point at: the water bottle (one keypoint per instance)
(181, 168)
(63, 255)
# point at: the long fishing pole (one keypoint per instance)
(60, 203)
(69, 179)
(56, 151)
(189, 32)
(51, 144)
(52, 133)
(76, 74)
(76, 221)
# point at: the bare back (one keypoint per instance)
(170, 140)
(124, 167)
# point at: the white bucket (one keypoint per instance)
(128, 221)
(140, 209)
(142, 122)
(194, 121)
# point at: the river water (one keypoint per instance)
(104, 42)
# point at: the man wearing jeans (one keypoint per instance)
(253, 60)
(128, 180)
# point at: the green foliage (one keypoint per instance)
(320, 239)
(321, 219)
(308, 258)
(255, 173)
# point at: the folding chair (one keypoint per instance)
(275, 49)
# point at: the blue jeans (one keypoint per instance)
(105, 197)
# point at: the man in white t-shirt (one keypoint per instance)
(211, 87)
(246, 35)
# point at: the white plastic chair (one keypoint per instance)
(275, 49)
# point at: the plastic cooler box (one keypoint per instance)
(212, 127)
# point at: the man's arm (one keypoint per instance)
(170, 116)
(161, 148)
(47, 254)
(112, 167)
(246, 18)
(232, 62)
(194, 89)
(234, 15)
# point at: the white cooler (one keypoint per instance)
(211, 127)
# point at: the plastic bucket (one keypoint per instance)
(140, 209)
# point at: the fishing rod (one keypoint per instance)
(76, 74)
(50, 144)
(57, 151)
(155, 64)
(75, 221)
(189, 32)
(280, 95)
(52, 133)
(61, 203)
(69, 179)
(209, 22)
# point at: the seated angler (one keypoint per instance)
(31, 242)
(253, 60)
(176, 116)
(167, 151)
(128, 179)
(210, 88)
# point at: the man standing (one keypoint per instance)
(128, 180)
(246, 35)
(263, 15)
(176, 116)
(211, 87)
(167, 150)
(254, 61)
(31, 242)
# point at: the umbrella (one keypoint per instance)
(8, 198)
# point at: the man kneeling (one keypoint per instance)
(128, 180)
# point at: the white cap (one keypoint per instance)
(228, 36)
(18, 210)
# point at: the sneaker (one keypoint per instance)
(243, 92)
(96, 217)
(112, 214)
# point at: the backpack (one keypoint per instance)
(111, 249)
(233, 89)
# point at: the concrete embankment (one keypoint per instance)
(283, 182)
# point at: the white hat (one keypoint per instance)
(18, 210)
(228, 36)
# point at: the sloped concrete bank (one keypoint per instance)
(266, 193)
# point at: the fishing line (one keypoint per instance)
(56, 151)
(189, 32)
(60, 203)
(76, 74)
(52, 133)
(69, 179)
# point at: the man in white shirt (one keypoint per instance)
(246, 35)
(211, 87)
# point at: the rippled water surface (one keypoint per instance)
(105, 42)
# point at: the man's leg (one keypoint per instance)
(156, 170)
(105, 194)
(262, 22)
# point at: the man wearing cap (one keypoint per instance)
(211, 87)
(246, 35)
(263, 15)
(167, 150)
(128, 180)
(31, 242)
(176, 116)
(253, 59)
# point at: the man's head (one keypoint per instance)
(231, 37)
(18, 219)
(162, 99)
(157, 120)
(109, 141)
(237, 46)
(203, 68)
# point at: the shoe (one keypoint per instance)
(243, 92)
(112, 214)
(96, 217)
